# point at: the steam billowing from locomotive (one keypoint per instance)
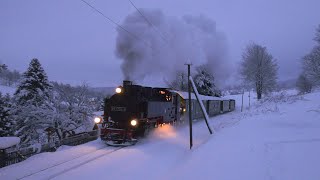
(162, 51)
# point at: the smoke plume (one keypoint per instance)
(158, 52)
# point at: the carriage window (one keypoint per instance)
(162, 92)
(168, 97)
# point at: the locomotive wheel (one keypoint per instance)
(147, 130)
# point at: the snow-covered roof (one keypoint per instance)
(185, 95)
(6, 142)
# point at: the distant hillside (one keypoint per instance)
(7, 89)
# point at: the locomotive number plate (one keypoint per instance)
(114, 108)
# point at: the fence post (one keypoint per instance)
(2, 158)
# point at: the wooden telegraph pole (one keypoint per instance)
(242, 100)
(189, 92)
(249, 98)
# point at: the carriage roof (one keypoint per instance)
(185, 95)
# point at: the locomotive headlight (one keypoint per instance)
(97, 120)
(133, 122)
(118, 90)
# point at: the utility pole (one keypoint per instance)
(242, 100)
(189, 92)
(204, 112)
(249, 98)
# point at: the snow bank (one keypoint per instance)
(6, 142)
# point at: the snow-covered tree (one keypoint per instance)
(6, 123)
(204, 82)
(317, 38)
(33, 111)
(74, 109)
(3, 67)
(259, 69)
(303, 84)
(180, 81)
(311, 61)
(9, 77)
(311, 65)
(34, 88)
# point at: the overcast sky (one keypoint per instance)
(75, 44)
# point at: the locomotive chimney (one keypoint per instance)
(127, 83)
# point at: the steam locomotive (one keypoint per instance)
(134, 110)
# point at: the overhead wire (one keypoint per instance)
(118, 25)
(149, 22)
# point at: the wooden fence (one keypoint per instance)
(14, 155)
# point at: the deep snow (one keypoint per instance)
(276, 139)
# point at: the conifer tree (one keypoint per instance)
(35, 87)
(33, 111)
(6, 124)
(204, 82)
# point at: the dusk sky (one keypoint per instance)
(76, 44)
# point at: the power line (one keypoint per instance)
(118, 25)
(151, 24)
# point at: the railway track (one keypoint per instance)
(65, 166)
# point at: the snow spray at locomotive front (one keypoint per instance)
(134, 110)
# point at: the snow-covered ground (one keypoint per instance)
(6, 142)
(276, 139)
(6, 89)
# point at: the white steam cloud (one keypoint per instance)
(160, 52)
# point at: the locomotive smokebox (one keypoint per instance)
(127, 83)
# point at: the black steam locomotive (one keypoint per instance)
(134, 110)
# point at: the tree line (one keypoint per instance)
(39, 105)
(8, 77)
(310, 76)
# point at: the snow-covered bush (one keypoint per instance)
(304, 85)
(280, 97)
(74, 109)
